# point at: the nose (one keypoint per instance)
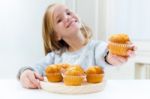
(67, 18)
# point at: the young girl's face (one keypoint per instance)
(66, 23)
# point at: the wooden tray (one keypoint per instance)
(59, 87)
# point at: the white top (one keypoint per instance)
(91, 54)
(114, 89)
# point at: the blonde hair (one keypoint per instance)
(50, 43)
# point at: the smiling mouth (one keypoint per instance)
(71, 23)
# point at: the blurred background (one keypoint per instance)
(21, 37)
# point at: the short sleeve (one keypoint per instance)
(43, 63)
(100, 52)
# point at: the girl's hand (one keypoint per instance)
(117, 60)
(30, 79)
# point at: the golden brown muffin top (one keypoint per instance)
(63, 65)
(52, 69)
(119, 38)
(94, 70)
(75, 70)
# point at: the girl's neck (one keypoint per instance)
(75, 42)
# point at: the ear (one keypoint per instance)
(58, 37)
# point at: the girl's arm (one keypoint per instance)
(40, 66)
(30, 76)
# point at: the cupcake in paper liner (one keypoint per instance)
(63, 66)
(73, 80)
(54, 77)
(53, 73)
(94, 78)
(74, 76)
(94, 74)
(119, 44)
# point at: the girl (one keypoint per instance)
(67, 40)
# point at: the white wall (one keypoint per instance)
(20, 34)
(128, 16)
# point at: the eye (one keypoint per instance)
(59, 21)
(68, 13)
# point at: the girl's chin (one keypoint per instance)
(74, 30)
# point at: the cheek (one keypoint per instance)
(59, 27)
(60, 30)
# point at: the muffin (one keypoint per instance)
(63, 66)
(95, 74)
(53, 73)
(119, 44)
(74, 76)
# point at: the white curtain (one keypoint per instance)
(128, 16)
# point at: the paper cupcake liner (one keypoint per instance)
(73, 80)
(118, 49)
(95, 75)
(94, 78)
(54, 77)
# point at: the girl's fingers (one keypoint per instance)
(117, 60)
(38, 76)
(113, 59)
(24, 82)
(120, 59)
(28, 80)
(133, 48)
(27, 83)
(131, 53)
(34, 81)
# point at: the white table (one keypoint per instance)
(115, 89)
